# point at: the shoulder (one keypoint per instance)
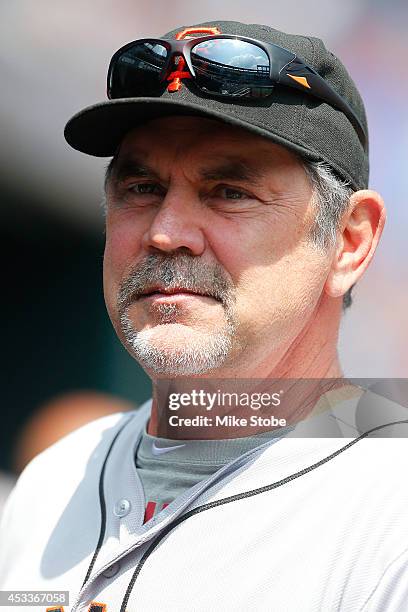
(74, 449)
(82, 451)
(58, 493)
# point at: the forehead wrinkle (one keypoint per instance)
(190, 156)
(228, 168)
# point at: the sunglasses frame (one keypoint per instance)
(285, 68)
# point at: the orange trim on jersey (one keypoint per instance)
(55, 609)
(102, 607)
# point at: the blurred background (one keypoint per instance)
(57, 338)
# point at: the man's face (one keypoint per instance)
(208, 265)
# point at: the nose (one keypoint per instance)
(177, 224)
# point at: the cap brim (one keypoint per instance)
(99, 129)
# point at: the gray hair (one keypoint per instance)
(331, 197)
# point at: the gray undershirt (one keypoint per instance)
(166, 475)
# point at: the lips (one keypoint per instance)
(173, 291)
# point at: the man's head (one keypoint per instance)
(231, 234)
(199, 206)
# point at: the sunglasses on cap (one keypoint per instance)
(221, 66)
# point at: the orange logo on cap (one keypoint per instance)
(187, 31)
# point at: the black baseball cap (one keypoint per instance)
(298, 121)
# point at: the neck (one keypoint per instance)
(310, 355)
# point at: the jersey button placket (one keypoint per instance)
(122, 508)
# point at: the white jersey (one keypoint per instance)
(304, 525)
(6, 484)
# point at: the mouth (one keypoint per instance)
(162, 292)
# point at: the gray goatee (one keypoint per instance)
(207, 350)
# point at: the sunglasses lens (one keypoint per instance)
(137, 71)
(231, 67)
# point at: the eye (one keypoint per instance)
(137, 193)
(231, 200)
(144, 188)
(231, 193)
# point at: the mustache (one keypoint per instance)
(173, 271)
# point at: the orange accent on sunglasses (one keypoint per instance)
(176, 76)
(188, 31)
(301, 80)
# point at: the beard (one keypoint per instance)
(182, 349)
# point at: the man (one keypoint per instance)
(6, 485)
(237, 221)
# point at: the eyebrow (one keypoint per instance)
(234, 169)
(121, 170)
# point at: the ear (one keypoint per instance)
(360, 232)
